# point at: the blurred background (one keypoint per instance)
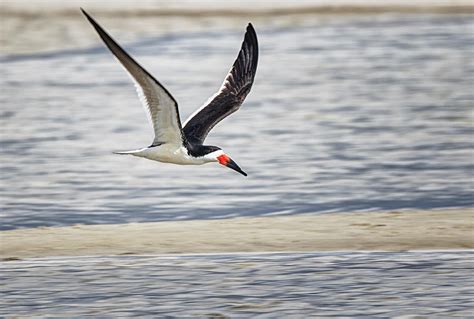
(357, 105)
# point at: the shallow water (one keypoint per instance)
(355, 285)
(347, 113)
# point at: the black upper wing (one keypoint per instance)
(232, 93)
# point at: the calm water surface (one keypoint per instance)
(348, 285)
(350, 113)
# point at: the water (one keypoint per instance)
(347, 113)
(355, 285)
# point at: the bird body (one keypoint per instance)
(173, 153)
(184, 145)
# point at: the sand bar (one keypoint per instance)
(387, 231)
(216, 7)
(48, 26)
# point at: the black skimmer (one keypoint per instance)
(183, 144)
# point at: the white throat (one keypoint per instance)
(212, 157)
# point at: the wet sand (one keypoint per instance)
(368, 231)
(215, 7)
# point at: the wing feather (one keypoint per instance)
(161, 107)
(231, 94)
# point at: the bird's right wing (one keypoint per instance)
(160, 104)
(231, 95)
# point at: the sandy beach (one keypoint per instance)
(368, 231)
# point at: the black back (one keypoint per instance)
(199, 150)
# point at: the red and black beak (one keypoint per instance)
(227, 161)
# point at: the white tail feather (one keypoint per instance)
(127, 152)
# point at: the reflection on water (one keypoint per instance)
(355, 285)
(357, 113)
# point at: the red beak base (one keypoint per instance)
(227, 161)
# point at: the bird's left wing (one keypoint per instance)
(159, 103)
(232, 93)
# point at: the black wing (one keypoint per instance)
(231, 95)
(159, 103)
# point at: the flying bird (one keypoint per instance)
(183, 144)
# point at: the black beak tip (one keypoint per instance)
(238, 169)
(233, 165)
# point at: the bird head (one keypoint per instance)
(216, 154)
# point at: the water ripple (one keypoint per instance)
(353, 285)
(360, 114)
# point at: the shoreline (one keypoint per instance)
(245, 7)
(53, 25)
(449, 229)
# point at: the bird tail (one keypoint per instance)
(127, 152)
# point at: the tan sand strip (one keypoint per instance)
(390, 231)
